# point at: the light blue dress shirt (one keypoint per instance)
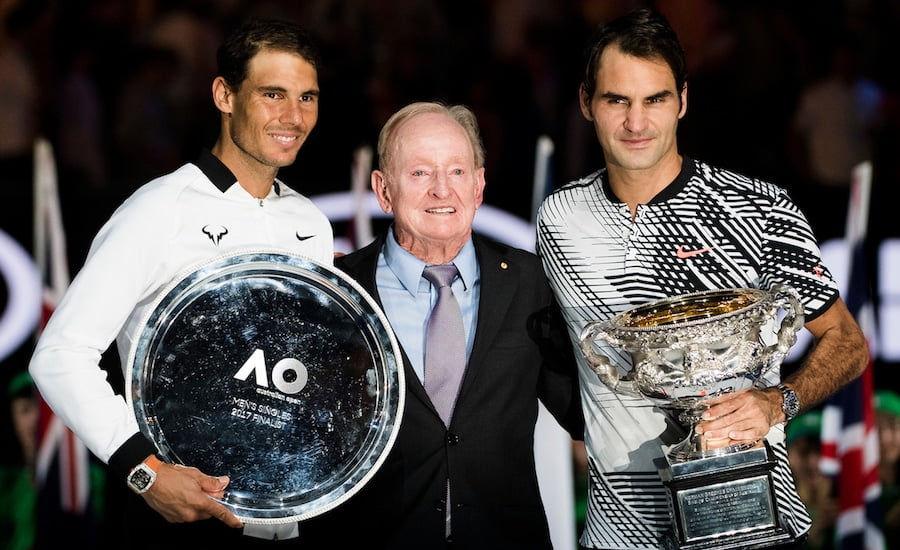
(407, 297)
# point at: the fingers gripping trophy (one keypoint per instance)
(685, 350)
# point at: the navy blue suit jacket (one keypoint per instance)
(520, 354)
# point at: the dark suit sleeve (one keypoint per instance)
(558, 386)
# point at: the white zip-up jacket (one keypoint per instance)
(170, 225)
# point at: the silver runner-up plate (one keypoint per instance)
(277, 371)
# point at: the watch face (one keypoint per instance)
(794, 405)
(140, 478)
(791, 405)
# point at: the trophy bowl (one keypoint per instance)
(275, 370)
(689, 348)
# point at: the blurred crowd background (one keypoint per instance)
(793, 92)
(122, 88)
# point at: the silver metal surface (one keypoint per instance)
(685, 350)
(275, 370)
(688, 348)
(725, 502)
(748, 501)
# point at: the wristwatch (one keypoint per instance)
(790, 404)
(143, 475)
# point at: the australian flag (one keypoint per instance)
(849, 438)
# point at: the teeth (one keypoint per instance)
(448, 210)
(285, 139)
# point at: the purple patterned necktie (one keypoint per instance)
(445, 342)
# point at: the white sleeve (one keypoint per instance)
(118, 274)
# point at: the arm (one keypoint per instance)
(115, 277)
(558, 383)
(839, 356)
(121, 272)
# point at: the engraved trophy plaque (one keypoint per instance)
(275, 370)
(684, 350)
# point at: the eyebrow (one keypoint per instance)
(265, 89)
(279, 89)
(658, 95)
(661, 95)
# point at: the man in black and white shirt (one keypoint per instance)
(226, 201)
(654, 224)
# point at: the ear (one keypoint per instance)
(479, 187)
(585, 103)
(222, 95)
(380, 188)
(683, 102)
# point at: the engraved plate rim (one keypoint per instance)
(389, 409)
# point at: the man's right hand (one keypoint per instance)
(182, 494)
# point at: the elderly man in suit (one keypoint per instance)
(462, 469)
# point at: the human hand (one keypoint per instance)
(183, 494)
(740, 417)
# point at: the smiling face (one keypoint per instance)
(635, 111)
(267, 119)
(432, 186)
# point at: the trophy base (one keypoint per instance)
(743, 541)
(724, 502)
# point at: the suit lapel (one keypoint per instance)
(499, 284)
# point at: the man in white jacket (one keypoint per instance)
(227, 200)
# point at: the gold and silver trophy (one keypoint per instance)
(685, 350)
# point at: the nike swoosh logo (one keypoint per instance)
(684, 254)
(303, 237)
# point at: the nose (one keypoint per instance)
(635, 118)
(292, 113)
(440, 184)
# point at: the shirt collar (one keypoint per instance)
(408, 269)
(688, 169)
(219, 174)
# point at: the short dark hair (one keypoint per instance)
(257, 34)
(642, 33)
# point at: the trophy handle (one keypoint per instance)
(600, 363)
(787, 298)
